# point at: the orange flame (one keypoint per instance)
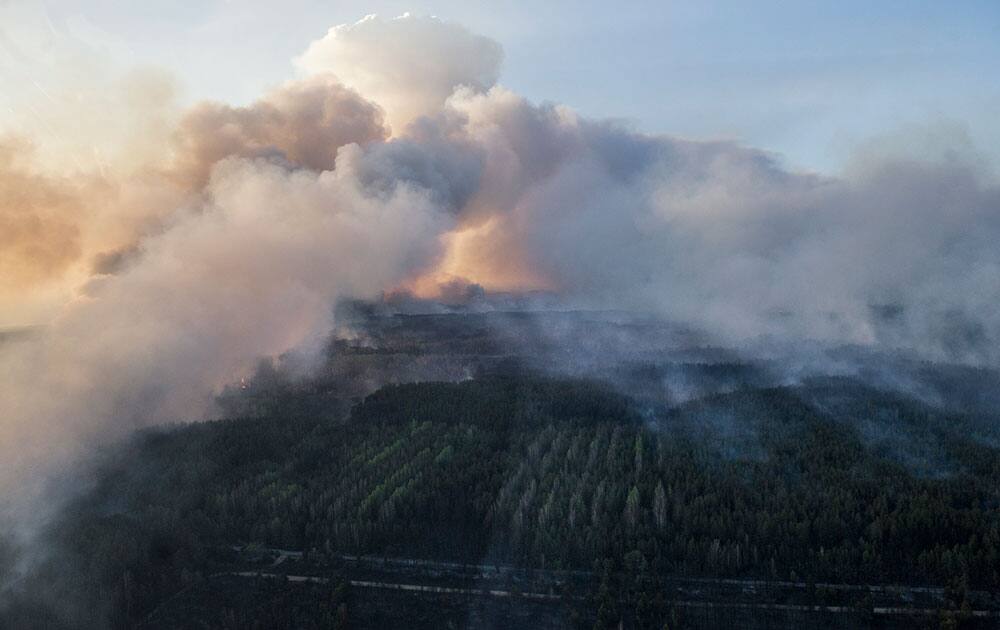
(481, 256)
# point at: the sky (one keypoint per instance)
(809, 81)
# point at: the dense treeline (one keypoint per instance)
(781, 483)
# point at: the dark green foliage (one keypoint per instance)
(550, 474)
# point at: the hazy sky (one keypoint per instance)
(809, 80)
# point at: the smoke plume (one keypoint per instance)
(38, 238)
(303, 122)
(229, 238)
(409, 65)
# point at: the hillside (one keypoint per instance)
(612, 503)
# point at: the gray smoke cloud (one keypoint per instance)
(305, 197)
(251, 273)
(722, 236)
(303, 122)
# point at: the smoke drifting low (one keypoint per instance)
(394, 161)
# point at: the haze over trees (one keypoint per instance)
(829, 481)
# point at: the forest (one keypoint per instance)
(824, 482)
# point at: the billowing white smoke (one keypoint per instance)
(721, 236)
(410, 65)
(274, 219)
(252, 273)
(302, 197)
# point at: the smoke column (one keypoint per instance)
(228, 235)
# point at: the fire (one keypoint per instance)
(479, 255)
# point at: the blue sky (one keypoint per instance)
(808, 80)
